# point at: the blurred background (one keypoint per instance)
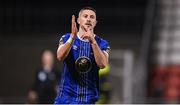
(144, 36)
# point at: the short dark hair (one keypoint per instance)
(88, 8)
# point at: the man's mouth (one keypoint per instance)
(89, 24)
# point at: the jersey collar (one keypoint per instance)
(84, 40)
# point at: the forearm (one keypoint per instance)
(63, 50)
(100, 58)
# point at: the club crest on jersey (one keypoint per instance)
(83, 64)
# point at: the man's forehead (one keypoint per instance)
(88, 12)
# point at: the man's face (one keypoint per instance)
(87, 18)
(47, 58)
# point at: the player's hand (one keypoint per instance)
(88, 34)
(73, 27)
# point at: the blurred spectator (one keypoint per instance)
(44, 88)
(105, 88)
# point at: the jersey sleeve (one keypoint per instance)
(64, 38)
(105, 46)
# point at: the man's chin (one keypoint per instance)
(88, 27)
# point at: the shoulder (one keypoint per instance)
(64, 38)
(101, 40)
(103, 44)
(38, 71)
(67, 35)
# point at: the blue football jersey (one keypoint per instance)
(78, 87)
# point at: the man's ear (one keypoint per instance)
(96, 22)
(78, 20)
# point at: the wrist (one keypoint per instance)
(72, 35)
(93, 41)
(70, 40)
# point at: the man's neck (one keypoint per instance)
(80, 32)
(47, 68)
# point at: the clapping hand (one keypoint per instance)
(73, 27)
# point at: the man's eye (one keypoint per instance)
(85, 16)
(92, 17)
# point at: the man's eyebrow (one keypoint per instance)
(85, 14)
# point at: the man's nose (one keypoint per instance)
(88, 20)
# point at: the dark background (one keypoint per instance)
(27, 27)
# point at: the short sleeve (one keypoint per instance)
(105, 46)
(63, 39)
